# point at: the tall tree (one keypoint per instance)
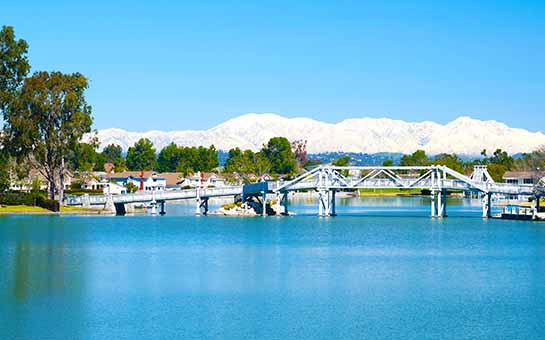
(168, 158)
(50, 118)
(341, 161)
(450, 160)
(14, 68)
(113, 153)
(418, 158)
(141, 156)
(278, 152)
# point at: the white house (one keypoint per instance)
(521, 177)
(204, 179)
(114, 189)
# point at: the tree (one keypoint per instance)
(168, 158)
(48, 120)
(278, 152)
(113, 153)
(141, 156)
(450, 160)
(501, 157)
(341, 161)
(418, 158)
(388, 162)
(4, 171)
(84, 157)
(14, 67)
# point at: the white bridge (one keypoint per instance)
(327, 181)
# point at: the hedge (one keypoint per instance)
(30, 199)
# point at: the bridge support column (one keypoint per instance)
(201, 206)
(443, 203)
(153, 205)
(284, 203)
(264, 202)
(326, 205)
(332, 204)
(120, 209)
(487, 205)
(433, 198)
(162, 212)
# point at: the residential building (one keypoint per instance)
(521, 177)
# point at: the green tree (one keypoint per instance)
(49, 119)
(113, 153)
(501, 157)
(14, 68)
(418, 158)
(141, 156)
(450, 160)
(84, 157)
(169, 158)
(388, 162)
(341, 161)
(131, 187)
(4, 171)
(281, 157)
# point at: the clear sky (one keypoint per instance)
(194, 64)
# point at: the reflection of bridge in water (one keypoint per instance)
(327, 181)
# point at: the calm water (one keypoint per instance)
(380, 270)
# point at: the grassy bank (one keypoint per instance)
(388, 192)
(22, 209)
(27, 209)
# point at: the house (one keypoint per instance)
(204, 179)
(35, 176)
(93, 183)
(149, 179)
(114, 189)
(521, 177)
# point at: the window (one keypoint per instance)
(511, 181)
(528, 181)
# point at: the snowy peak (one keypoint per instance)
(463, 135)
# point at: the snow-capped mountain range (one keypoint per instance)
(464, 136)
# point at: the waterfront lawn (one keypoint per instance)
(67, 209)
(21, 209)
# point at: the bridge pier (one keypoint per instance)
(284, 203)
(326, 203)
(120, 209)
(201, 206)
(438, 203)
(162, 212)
(487, 205)
(264, 203)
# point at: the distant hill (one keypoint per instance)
(464, 135)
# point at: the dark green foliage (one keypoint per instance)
(29, 199)
(388, 162)
(341, 161)
(247, 162)
(131, 187)
(187, 159)
(112, 153)
(418, 158)
(4, 171)
(278, 152)
(83, 157)
(141, 156)
(450, 160)
(14, 67)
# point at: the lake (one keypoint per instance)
(382, 269)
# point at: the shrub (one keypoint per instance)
(30, 199)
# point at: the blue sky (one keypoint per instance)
(194, 64)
